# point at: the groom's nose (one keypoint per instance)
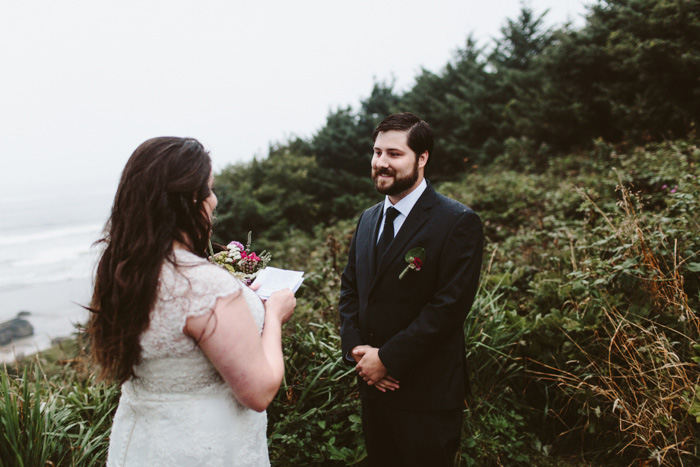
(381, 162)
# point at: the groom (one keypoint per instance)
(405, 331)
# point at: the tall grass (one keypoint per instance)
(640, 368)
(46, 422)
(495, 432)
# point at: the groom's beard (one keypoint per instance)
(399, 185)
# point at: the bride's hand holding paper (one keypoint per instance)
(281, 304)
(271, 279)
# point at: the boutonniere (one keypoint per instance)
(414, 258)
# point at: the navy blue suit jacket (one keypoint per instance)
(416, 322)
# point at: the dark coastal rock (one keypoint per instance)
(60, 340)
(16, 328)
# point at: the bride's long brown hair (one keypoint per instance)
(159, 199)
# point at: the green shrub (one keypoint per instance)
(315, 418)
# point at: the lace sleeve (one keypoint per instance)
(208, 283)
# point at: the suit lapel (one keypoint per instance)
(367, 238)
(413, 223)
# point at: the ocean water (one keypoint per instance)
(47, 258)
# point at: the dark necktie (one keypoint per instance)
(387, 234)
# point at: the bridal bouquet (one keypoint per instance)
(240, 261)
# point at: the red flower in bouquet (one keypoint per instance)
(241, 262)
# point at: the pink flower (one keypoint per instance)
(238, 245)
(674, 189)
(240, 261)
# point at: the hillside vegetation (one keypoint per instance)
(578, 150)
(582, 343)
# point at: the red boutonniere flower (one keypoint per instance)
(414, 258)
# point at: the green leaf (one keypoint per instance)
(415, 253)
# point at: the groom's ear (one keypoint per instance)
(423, 159)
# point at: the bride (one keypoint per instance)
(183, 337)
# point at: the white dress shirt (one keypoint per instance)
(404, 207)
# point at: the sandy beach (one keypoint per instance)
(54, 310)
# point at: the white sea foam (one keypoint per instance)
(50, 256)
(50, 234)
(47, 257)
(45, 276)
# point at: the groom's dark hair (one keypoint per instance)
(420, 135)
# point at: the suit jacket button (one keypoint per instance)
(371, 336)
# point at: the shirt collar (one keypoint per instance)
(406, 203)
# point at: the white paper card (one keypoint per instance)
(274, 279)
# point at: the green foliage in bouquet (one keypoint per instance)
(241, 261)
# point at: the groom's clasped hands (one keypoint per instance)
(371, 369)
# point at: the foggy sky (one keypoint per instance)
(85, 82)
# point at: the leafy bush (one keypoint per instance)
(315, 418)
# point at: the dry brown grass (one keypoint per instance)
(646, 378)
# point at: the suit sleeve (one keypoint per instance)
(458, 279)
(349, 308)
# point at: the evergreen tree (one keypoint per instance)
(459, 105)
(654, 57)
(345, 141)
(518, 74)
(340, 144)
(630, 74)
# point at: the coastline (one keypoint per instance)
(54, 311)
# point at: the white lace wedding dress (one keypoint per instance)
(177, 411)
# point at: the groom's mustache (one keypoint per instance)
(387, 172)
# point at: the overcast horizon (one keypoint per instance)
(86, 82)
